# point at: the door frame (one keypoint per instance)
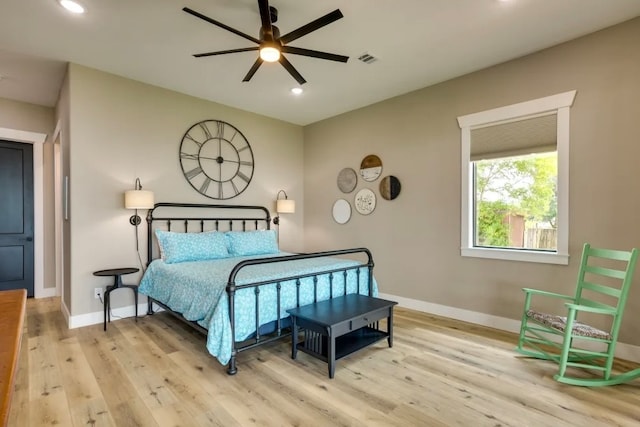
(37, 139)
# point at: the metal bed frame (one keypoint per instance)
(256, 216)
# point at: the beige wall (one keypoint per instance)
(415, 239)
(122, 129)
(63, 123)
(35, 118)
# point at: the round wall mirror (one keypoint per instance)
(370, 168)
(341, 211)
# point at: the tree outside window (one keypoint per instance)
(515, 202)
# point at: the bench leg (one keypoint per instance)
(390, 327)
(331, 354)
(294, 338)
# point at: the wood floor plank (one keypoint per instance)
(155, 372)
(124, 403)
(44, 373)
(50, 410)
(86, 401)
(19, 412)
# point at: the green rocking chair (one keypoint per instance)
(603, 284)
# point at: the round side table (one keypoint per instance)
(117, 274)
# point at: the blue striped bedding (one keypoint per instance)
(197, 291)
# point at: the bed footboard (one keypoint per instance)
(280, 332)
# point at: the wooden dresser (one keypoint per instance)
(12, 312)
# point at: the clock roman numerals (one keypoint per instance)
(205, 129)
(244, 177)
(193, 173)
(190, 138)
(216, 159)
(205, 185)
(188, 156)
(220, 128)
(235, 188)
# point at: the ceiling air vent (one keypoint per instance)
(367, 58)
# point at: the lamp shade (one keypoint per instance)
(138, 199)
(285, 206)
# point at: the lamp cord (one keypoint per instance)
(138, 248)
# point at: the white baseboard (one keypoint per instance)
(65, 311)
(46, 293)
(98, 316)
(623, 351)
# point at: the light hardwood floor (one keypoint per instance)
(156, 372)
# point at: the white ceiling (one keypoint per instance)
(418, 43)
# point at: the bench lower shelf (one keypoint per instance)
(345, 345)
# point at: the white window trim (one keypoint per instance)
(559, 104)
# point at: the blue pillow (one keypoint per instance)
(244, 243)
(181, 247)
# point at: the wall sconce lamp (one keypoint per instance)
(283, 206)
(138, 199)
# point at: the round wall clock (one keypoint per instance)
(341, 211)
(347, 180)
(365, 201)
(216, 159)
(370, 167)
(390, 187)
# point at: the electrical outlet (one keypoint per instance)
(97, 293)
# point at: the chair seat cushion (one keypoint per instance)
(560, 323)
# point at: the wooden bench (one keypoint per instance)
(12, 309)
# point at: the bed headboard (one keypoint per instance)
(196, 218)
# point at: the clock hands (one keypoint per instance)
(221, 159)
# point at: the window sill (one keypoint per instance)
(516, 255)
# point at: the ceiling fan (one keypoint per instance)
(271, 44)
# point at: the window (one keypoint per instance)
(515, 181)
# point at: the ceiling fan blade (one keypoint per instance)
(220, 24)
(253, 69)
(294, 73)
(312, 26)
(265, 16)
(223, 52)
(314, 53)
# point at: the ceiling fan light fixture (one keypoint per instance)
(296, 90)
(269, 53)
(72, 6)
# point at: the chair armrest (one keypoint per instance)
(598, 310)
(547, 294)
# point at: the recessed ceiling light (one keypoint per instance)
(72, 6)
(296, 90)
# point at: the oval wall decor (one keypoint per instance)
(370, 168)
(365, 201)
(390, 187)
(347, 180)
(341, 211)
